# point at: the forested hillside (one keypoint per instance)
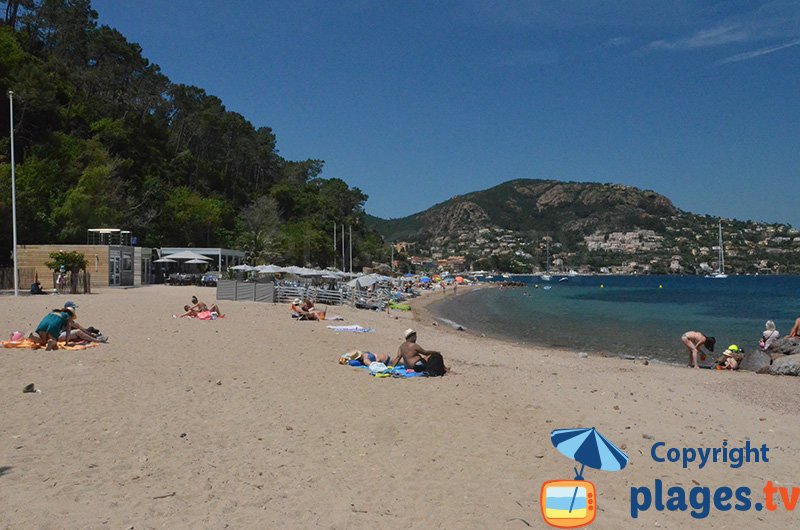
(589, 226)
(104, 139)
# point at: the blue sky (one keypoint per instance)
(417, 101)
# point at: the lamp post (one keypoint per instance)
(13, 193)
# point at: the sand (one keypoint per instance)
(249, 422)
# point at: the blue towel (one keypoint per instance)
(398, 371)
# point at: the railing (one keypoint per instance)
(268, 292)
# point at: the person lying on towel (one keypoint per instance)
(415, 357)
(366, 358)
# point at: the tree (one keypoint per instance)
(261, 226)
(71, 261)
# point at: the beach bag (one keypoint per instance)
(435, 365)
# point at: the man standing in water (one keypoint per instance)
(694, 340)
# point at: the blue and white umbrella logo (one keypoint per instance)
(590, 448)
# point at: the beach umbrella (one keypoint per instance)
(268, 269)
(459, 279)
(425, 279)
(590, 448)
(165, 260)
(195, 262)
(408, 275)
(241, 268)
(188, 254)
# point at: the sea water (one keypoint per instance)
(629, 315)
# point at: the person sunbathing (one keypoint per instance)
(413, 356)
(190, 312)
(202, 306)
(305, 310)
(80, 333)
(366, 358)
(795, 331)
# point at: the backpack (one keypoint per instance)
(435, 365)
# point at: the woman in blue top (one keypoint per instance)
(53, 324)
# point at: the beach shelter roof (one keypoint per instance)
(312, 272)
(165, 260)
(268, 269)
(367, 280)
(195, 262)
(188, 254)
(242, 268)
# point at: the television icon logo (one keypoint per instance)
(573, 503)
(568, 503)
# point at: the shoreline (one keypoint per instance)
(422, 306)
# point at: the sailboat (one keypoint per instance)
(721, 269)
(546, 276)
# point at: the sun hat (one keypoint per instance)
(350, 356)
(408, 333)
(71, 304)
(297, 301)
(733, 348)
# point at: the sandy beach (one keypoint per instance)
(249, 422)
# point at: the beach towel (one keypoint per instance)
(203, 315)
(353, 329)
(28, 344)
(398, 372)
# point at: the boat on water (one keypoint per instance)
(720, 274)
(563, 279)
(546, 276)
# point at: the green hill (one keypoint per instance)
(591, 226)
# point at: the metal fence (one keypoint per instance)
(241, 291)
(269, 292)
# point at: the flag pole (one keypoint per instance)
(13, 193)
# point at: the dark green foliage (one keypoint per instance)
(104, 139)
(71, 261)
